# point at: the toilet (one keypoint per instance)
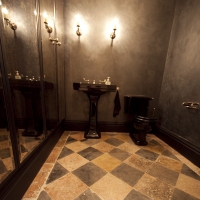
(142, 120)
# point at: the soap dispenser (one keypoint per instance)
(108, 81)
(17, 76)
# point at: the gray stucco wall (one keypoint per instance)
(135, 62)
(181, 77)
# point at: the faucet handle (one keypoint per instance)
(88, 81)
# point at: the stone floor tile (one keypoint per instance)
(44, 196)
(53, 155)
(106, 162)
(189, 185)
(138, 162)
(57, 172)
(89, 173)
(62, 188)
(170, 163)
(103, 147)
(154, 146)
(65, 152)
(154, 188)
(78, 136)
(123, 136)
(77, 146)
(90, 153)
(178, 194)
(114, 141)
(189, 172)
(119, 154)
(130, 148)
(163, 173)
(110, 188)
(127, 174)
(135, 195)
(72, 162)
(147, 154)
(169, 154)
(88, 195)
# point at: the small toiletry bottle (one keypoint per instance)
(108, 81)
(17, 76)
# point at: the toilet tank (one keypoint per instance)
(136, 104)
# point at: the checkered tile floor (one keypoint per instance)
(114, 168)
(27, 144)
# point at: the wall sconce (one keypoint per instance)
(49, 29)
(78, 32)
(113, 34)
(55, 41)
(13, 26)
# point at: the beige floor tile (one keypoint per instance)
(189, 185)
(67, 187)
(104, 136)
(72, 161)
(78, 136)
(111, 188)
(77, 146)
(130, 148)
(138, 162)
(154, 188)
(124, 137)
(106, 162)
(103, 147)
(34, 189)
(53, 155)
(170, 163)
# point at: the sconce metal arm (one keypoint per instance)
(55, 41)
(113, 35)
(13, 26)
(49, 29)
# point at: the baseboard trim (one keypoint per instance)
(75, 125)
(18, 182)
(184, 147)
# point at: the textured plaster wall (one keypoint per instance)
(181, 81)
(135, 61)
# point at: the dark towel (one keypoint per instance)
(117, 106)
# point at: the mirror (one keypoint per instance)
(22, 61)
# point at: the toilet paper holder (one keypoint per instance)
(192, 105)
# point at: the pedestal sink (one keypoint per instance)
(93, 91)
(31, 92)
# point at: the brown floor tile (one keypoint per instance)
(110, 188)
(60, 143)
(138, 162)
(77, 146)
(67, 187)
(154, 188)
(170, 163)
(103, 147)
(53, 155)
(189, 185)
(34, 189)
(4, 144)
(72, 162)
(106, 162)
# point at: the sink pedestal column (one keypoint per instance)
(92, 131)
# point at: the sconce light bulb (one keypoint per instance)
(0, 3)
(115, 23)
(78, 17)
(45, 17)
(5, 12)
